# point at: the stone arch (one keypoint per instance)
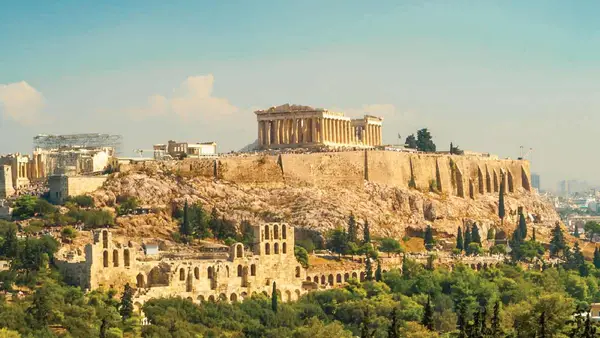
(209, 272)
(157, 276)
(330, 279)
(488, 180)
(323, 279)
(485, 266)
(275, 232)
(190, 299)
(480, 181)
(509, 176)
(471, 188)
(105, 258)
(197, 272)
(346, 277)
(354, 275)
(276, 248)
(265, 293)
(362, 276)
(126, 257)
(478, 266)
(243, 295)
(222, 297)
(240, 270)
(253, 270)
(297, 272)
(105, 239)
(383, 271)
(297, 292)
(211, 298)
(496, 182)
(283, 232)
(473, 267)
(181, 274)
(338, 278)
(267, 249)
(315, 279)
(200, 299)
(288, 295)
(233, 297)
(525, 179)
(140, 281)
(284, 248)
(267, 234)
(308, 279)
(188, 284)
(239, 251)
(116, 258)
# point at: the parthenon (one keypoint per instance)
(289, 126)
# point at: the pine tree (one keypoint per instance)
(589, 331)
(468, 238)
(501, 211)
(522, 226)
(475, 237)
(41, 307)
(576, 233)
(496, 321)
(274, 298)
(542, 329)
(185, 228)
(126, 306)
(378, 273)
(365, 332)
(460, 242)
(557, 243)
(352, 230)
(597, 258)
(369, 269)
(394, 325)
(427, 320)
(366, 232)
(461, 321)
(429, 242)
(10, 247)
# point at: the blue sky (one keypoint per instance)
(486, 75)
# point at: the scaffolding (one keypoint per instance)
(54, 142)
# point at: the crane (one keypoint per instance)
(524, 156)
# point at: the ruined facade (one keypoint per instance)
(23, 170)
(290, 126)
(62, 186)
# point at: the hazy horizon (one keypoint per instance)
(489, 77)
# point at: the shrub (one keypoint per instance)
(68, 233)
(301, 256)
(307, 244)
(83, 201)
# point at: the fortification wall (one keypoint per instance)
(336, 168)
(259, 169)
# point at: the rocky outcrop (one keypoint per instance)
(391, 211)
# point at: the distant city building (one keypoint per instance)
(535, 181)
(179, 149)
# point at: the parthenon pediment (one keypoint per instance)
(286, 108)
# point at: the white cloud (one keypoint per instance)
(193, 99)
(21, 102)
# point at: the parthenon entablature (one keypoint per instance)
(289, 126)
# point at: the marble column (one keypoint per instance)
(260, 125)
(268, 133)
(337, 131)
(379, 136)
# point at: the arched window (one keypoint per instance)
(239, 270)
(284, 248)
(197, 272)
(181, 274)
(126, 256)
(115, 258)
(338, 278)
(283, 232)
(267, 235)
(239, 251)
(140, 281)
(275, 232)
(253, 270)
(209, 272)
(267, 249)
(105, 258)
(104, 239)
(298, 271)
(276, 248)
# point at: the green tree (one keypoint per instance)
(366, 232)
(68, 233)
(411, 142)
(378, 273)
(390, 246)
(429, 241)
(424, 141)
(557, 243)
(427, 320)
(10, 246)
(24, 207)
(394, 325)
(301, 255)
(522, 226)
(475, 237)
(126, 306)
(352, 229)
(337, 241)
(501, 210)
(41, 307)
(533, 235)
(467, 237)
(368, 269)
(591, 228)
(496, 329)
(185, 229)
(274, 298)
(542, 327)
(576, 233)
(460, 242)
(597, 258)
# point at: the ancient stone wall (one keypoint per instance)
(335, 168)
(257, 169)
(62, 186)
(6, 184)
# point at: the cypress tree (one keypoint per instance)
(542, 329)
(522, 226)
(468, 238)
(369, 269)
(126, 306)
(366, 232)
(460, 242)
(352, 230)
(185, 228)
(557, 243)
(429, 242)
(597, 258)
(378, 274)
(394, 325)
(430, 265)
(501, 211)
(10, 247)
(475, 237)
(496, 332)
(274, 298)
(427, 320)
(576, 233)
(364, 326)
(533, 235)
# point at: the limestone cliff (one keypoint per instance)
(391, 211)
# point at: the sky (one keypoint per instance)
(489, 76)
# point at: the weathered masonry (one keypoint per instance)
(289, 126)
